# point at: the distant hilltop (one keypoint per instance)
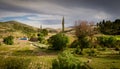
(16, 29)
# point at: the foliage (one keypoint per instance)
(8, 40)
(83, 43)
(109, 42)
(44, 32)
(74, 44)
(78, 50)
(83, 29)
(14, 63)
(92, 52)
(87, 52)
(40, 37)
(66, 60)
(110, 28)
(58, 41)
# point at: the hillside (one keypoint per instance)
(16, 28)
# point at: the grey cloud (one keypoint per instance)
(9, 7)
(83, 8)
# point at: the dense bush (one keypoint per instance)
(78, 50)
(58, 41)
(66, 60)
(109, 42)
(40, 37)
(45, 32)
(92, 52)
(87, 52)
(82, 43)
(8, 40)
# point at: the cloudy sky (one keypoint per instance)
(49, 13)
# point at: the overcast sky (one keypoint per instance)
(49, 13)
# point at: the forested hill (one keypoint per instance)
(109, 27)
(11, 27)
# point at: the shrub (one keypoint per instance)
(92, 52)
(8, 40)
(40, 37)
(66, 60)
(44, 31)
(109, 42)
(58, 41)
(87, 52)
(82, 43)
(74, 44)
(78, 50)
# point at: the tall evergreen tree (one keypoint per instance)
(39, 29)
(63, 24)
(40, 26)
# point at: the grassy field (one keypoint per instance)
(40, 57)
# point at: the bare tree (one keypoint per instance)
(84, 29)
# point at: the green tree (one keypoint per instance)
(44, 31)
(109, 27)
(41, 37)
(58, 41)
(8, 40)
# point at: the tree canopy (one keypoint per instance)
(109, 27)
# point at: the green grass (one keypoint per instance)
(42, 58)
(116, 36)
(38, 57)
(105, 63)
(34, 61)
